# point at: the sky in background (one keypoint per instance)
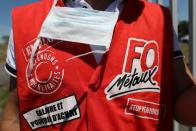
(7, 5)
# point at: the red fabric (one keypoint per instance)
(90, 82)
(60, 3)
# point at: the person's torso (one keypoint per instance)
(130, 89)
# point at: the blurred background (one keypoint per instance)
(183, 24)
(5, 27)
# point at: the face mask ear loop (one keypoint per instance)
(35, 47)
(117, 5)
(95, 51)
(54, 3)
(86, 4)
(31, 60)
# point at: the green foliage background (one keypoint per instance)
(183, 28)
(3, 51)
(4, 84)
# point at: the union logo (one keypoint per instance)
(139, 72)
(47, 74)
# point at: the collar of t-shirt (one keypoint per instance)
(84, 4)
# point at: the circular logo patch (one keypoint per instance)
(47, 73)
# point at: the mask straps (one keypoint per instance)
(33, 54)
(54, 3)
(117, 5)
(87, 53)
(38, 41)
(35, 47)
(95, 51)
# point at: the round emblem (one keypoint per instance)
(47, 73)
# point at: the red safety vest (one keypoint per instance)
(130, 90)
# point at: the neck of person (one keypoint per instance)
(98, 4)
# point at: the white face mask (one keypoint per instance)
(79, 25)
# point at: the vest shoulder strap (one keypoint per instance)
(27, 20)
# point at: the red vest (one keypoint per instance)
(130, 90)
